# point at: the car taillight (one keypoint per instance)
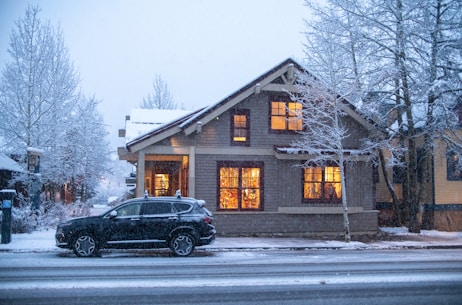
(208, 220)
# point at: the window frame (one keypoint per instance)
(241, 165)
(323, 200)
(246, 113)
(287, 115)
(451, 166)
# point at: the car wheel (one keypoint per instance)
(182, 244)
(85, 245)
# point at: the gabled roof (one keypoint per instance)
(144, 121)
(162, 129)
(280, 78)
(9, 164)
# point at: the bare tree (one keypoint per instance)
(38, 85)
(324, 132)
(41, 107)
(81, 156)
(161, 98)
(408, 55)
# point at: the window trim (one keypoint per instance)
(286, 100)
(451, 166)
(241, 165)
(245, 112)
(321, 200)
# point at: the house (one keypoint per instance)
(7, 167)
(234, 154)
(440, 184)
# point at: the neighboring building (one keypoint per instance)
(440, 185)
(235, 155)
(7, 167)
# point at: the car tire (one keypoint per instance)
(85, 245)
(182, 244)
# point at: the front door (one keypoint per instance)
(166, 178)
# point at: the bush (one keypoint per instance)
(50, 214)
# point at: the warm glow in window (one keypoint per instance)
(295, 116)
(240, 188)
(240, 128)
(322, 184)
(286, 116)
(161, 184)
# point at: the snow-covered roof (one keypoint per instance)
(143, 121)
(9, 164)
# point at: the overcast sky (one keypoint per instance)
(203, 49)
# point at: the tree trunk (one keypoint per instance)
(397, 221)
(346, 222)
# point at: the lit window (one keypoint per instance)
(161, 184)
(240, 127)
(286, 116)
(322, 184)
(454, 166)
(240, 185)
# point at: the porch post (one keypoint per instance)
(192, 171)
(140, 174)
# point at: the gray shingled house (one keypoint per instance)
(234, 154)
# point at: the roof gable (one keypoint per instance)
(281, 78)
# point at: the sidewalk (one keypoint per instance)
(395, 238)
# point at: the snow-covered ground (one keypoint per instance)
(43, 241)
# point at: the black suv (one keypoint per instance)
(147, 222)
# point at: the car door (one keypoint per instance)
(158, 220)
(125, 226)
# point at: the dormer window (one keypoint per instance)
(240, 127)
(285, 115)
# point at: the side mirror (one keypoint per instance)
(113, 214)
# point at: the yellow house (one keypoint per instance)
(441, 188)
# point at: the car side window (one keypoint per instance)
(129, 210)
(155, 208)
(181, 207)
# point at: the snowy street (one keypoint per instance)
(416, 276)
(403, 268)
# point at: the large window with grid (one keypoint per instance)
(240, 186)
(285, 115)
(322, 184)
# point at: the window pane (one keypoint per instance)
(229, 177)
(161, 184)
(295, 124)
(240, 121)
(454, 166)
(153, 208)
(129, 210)
(251, 177)
(312, 191)
(313, 174)
(240, 135)
(228, 199)
(278, 123)
(295, 109)
(250, 198)
(332, 191)
(332, 174)
(278, 108)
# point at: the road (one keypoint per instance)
(255, 277)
